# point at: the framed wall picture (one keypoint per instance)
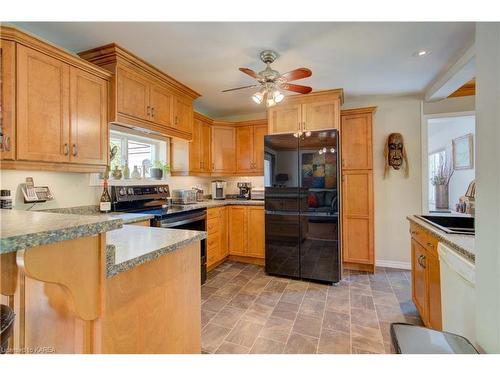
(463, 152)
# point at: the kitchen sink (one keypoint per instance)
(451, 223)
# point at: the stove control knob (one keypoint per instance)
(130, 191)
(122, 191)
(160, 189)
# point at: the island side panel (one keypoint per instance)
(155, 307)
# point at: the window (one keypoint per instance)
(136, 150)
(436, 161)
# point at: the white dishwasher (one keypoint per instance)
(458, 293)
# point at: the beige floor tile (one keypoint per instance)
(212, 336)
(228, 291)
(317, 292)
(258, 313)
(371, 333)
(215, 303)
(266, 346)
(293, 296)
(390, 313)
(206, 316)
(268, 298)
(285, 310)
(300, 344)
(244, 333)
(242, 300)
(277, 329)
(228, 317)
(384, 298)
(307, 325)
(364, 318)
(276, 285)
(230, 348)
(336, 321)
(360, 301)
(339, 304)
(207, 291)
(367, 344)
(312, 307)
(334, 342)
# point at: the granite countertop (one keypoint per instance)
(221, 202)
(24, 229)
(463, 244)
(133, 245)
(127, 218)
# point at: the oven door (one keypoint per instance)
(191, 220)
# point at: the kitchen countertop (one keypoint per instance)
(463, 244)
(134, 245)
(127, 218)
(222, 202)
(24, 229)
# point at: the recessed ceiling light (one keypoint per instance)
(421, 53)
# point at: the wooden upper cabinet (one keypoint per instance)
(284, 118)
(133, 92)
(244, 149)
(42, 107)
(255, 232)
(183, 114)
(223, 150)
(89, 118)
(195, 147)
(161, 103)
(259, 131)
(8, 99)
(206, 147)
(357, 217)
(321, 115)
(356, 138)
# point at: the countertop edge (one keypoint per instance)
(113, 269)
(442, 237)
(47, 237)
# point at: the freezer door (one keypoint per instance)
(282, 205)
(319, 206)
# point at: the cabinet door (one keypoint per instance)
(259, 131)
(244, 149)
(224, 232)
(431, 263)
(237, 230)
(419, 280)
(132, 94)
(195, 147)
(223, 149)
(161, 102)
(356, 139)
(284, 118)
(357, 215)
(255, 232)
(89, 118)
(7, 99)
(183, 114)
(42, 107)
(206, 147)
(321, 115)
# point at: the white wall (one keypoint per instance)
(450, 105)
(395, 197)
(488, 187)
(441, 132)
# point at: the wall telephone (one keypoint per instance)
(35, 194)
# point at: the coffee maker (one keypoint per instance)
(245, 190)
(219, 189)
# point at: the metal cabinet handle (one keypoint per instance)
(304, 126)
(419, 259)
(6, 143)
(75, 149)
(65, 149)
(153, 112)
(213, 165)
(422, 262)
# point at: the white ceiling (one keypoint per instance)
(362, 58)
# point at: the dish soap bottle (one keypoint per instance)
(105, 203)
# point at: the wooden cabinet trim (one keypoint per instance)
(8, 99)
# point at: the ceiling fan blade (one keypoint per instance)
(240, 88)
(296, 74)
(250, 72)
(297, 88)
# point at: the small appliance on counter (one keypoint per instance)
(200, 197)
(184, 196)
(257, 194)
(245, 189)
(219, 189)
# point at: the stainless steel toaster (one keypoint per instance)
(183, 196)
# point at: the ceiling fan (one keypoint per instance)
(271, 81)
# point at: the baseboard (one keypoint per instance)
(393, 264)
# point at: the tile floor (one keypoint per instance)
(246, 311)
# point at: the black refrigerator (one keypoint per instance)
(302, 205)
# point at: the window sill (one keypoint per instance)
(96, 180)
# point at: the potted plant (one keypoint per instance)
(440, 181)
(160, 168)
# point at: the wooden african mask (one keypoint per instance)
(395, 154)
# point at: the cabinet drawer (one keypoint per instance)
(428, 241)
(213, 240)
(213, 225)
(213, 212)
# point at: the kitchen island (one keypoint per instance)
(89, 284)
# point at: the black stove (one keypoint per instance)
(153, 200)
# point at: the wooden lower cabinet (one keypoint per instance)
(426, 284)
(246, 231)
(216, 236)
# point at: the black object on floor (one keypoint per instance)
(7, 324)
(411, 339)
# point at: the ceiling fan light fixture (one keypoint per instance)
(278, 96)
(270, 102)
(258, 97)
